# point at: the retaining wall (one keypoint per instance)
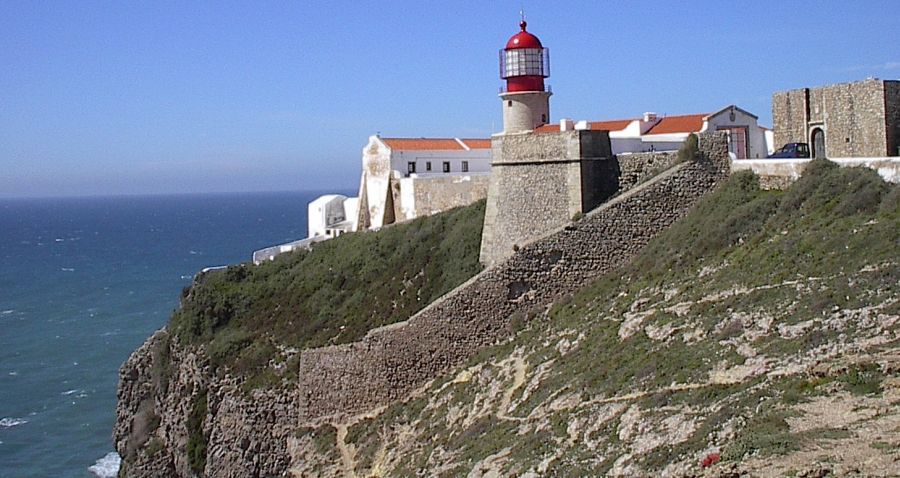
(390, 362)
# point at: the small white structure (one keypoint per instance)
(403, 178)
(332, 215)
(651, 132)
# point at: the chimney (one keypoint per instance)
(649, 116)
(582, 125)
(566, 124)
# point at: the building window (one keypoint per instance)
(446, 166)
(410, 168)
(428, 166)
(465, 166)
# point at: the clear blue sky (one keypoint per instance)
(156, 97)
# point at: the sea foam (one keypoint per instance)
(11, 422)
(107, 467)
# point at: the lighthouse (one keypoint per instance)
(524, 64)
(540, 180)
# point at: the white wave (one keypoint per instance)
(7, 312)
(58, 240)
(72, 392)
(11, 422)
(68, 269)
(106, 467)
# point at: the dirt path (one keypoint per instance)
(518, 380)
(347, 456)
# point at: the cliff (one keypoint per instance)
(756, 334)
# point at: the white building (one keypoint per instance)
(747, 139)
(332, 215)
(404, 178)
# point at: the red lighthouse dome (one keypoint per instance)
(523, 39)
(524, 63)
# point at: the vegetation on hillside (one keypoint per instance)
(717, 343)
(248, 315)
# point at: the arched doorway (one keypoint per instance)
(818, 143)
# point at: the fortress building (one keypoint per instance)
(848, 120)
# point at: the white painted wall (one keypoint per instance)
(756, 140)
(324, 213)
(791, 168)
(479, 161)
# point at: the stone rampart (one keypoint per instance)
(426, 195)
(539, 182)
(635, 168)
(391, 362)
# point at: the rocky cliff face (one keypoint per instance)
(175, 418)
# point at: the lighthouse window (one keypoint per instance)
(411, 167)
(509, 104)
(465, 166)
(427, 165)
(446, 166)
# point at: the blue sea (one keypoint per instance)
(83, 281)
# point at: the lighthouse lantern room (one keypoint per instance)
(524, 64)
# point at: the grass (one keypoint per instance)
(332, 294)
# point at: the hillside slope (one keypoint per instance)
(219, 382)
(759, 334)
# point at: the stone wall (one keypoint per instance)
(391, 362)
(854, 119)
(892, 116)
(539, 182)
(789, 116)
(635, 168)
(424, 196)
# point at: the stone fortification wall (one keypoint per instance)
(635, 168)
(859, 119)
(539, 182)
(854, 119)
(892, 116)
(789, 117)
(389, 363)
(424, 196)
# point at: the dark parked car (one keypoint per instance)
(792, 150)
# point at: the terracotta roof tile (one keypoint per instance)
(614, 125)
(679, 124)
(478, 143)
(440, 144)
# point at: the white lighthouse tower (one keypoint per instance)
(524, 64)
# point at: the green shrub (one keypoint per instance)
(690, 150)
(333, 294)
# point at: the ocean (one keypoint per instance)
(83, 282)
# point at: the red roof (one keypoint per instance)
(614, 125)
(435, 144)
(679, 124)
(523, 39)
(477, 143)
